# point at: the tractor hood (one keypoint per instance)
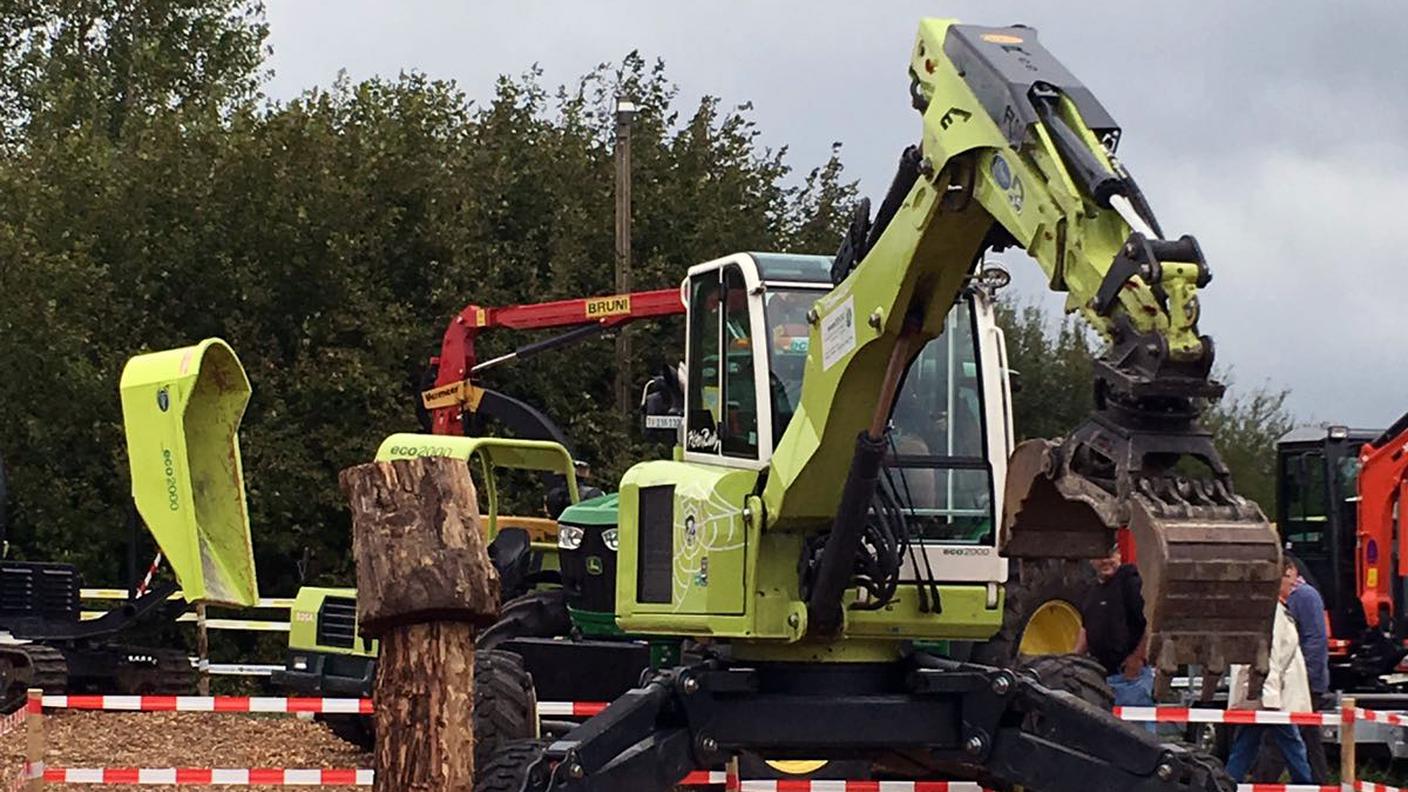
(181, 410)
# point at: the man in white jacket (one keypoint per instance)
(1287, 688)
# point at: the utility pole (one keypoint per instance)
(625, 117)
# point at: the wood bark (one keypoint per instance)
(424, 581)
(424, 702)
(419, 549)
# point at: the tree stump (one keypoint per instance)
(424, 583)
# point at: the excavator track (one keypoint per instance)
(146, 671)
(25, 666)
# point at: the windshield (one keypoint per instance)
(786, 313)
(938, 460)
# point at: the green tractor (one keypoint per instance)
(327, 657)
(842, 535)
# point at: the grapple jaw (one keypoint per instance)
(1210, 561)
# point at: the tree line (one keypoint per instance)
(151, 196)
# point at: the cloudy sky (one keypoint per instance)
(1275, 132)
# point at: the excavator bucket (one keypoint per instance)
(1210, 561)
(181, 410)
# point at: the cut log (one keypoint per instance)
(419, 550)
(424, 582)
(424, 698)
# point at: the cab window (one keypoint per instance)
(938, 462)
(1304, 493)
(722, 399)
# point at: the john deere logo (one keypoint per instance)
(594, 566)
(163, 400)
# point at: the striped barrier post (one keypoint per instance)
(1348, 716)
(34, 740)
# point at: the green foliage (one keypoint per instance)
(1054, 367)
(149, 199)
(95, 64)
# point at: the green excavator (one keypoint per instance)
(831, 520)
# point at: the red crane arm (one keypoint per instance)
(456, 363)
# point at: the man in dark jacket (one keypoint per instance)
(1113, 631)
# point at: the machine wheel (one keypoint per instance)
(1041, 612)
(517, 766)
(1080, 675)
(1208, 774)
(537, 614)
(355, 729)
(753, 766)
(505, 704)
(505, 707)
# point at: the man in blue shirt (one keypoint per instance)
(1308, 612)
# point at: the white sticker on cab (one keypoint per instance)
(838, 333)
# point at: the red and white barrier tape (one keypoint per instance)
(151, 573)
(202, 776)
(586, 709)
(12, 721)
(1379, 716)
(1238, 716)
(195, 776)
(820, 785)
(570, 709)
(345, 706)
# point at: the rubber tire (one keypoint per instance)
(1214, 775)
(537, 614)
(505, 703)
(517, 766)
(359, 730)
(505, 707)
(1033, 583)
(1080, 675)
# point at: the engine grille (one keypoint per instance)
(655, 564)
(39, 589)
(337, 622)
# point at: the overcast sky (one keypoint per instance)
(1275, 132)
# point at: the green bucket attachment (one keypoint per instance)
(181, 410)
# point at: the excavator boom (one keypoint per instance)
(1016, 152)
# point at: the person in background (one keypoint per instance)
(1285, 688)
(1113, 631)
(1307, 610)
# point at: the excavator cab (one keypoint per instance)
(181, 410)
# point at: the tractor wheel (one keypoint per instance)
(1080, 675)
(753, 766)
(359, 730)
(1041, 612)
(516, 766)
(537, 614)
(505, 705)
